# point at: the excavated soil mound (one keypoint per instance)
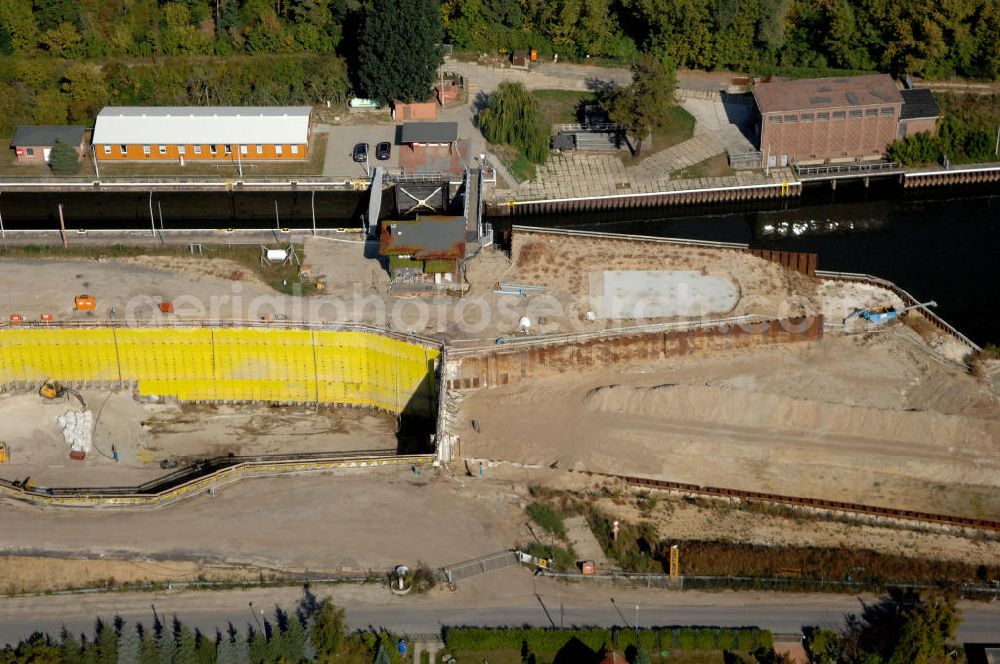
(753, 409)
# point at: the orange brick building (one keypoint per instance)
(826, 119)
(204, 133)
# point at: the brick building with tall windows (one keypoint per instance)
(202, 133)
(821, 120)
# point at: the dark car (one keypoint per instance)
(361, 152)
(383, 150)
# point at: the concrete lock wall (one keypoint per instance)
(203, 364)
(502, 366)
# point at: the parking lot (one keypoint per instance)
(343, 138)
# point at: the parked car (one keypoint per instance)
(361, 152)
(383, 150)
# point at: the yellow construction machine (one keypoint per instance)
(4, 453)
(52, 390)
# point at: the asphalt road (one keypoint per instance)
(488, 605)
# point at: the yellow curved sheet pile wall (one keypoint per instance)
(231, 364)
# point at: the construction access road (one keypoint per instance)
(511, 597)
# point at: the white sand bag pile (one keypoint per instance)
(77, 428)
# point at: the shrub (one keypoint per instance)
(64, 159)
(705, 639)
(687, 639)
(548, 518)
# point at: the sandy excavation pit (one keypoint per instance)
(869, 420)
(145, 434)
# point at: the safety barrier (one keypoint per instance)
(268, 363)
(262, 467)
(811, 503)
(908, 300)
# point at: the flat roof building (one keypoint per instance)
(429, 133)
(920, 113)
(32, 144)
(428, 249)
(178, 133)
(826, 119)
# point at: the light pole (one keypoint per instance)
(253, 614)
(997, 148)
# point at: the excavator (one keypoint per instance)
(51, 390)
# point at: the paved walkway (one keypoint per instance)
(584, 543)
(583, 174)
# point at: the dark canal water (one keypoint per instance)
(941, 244)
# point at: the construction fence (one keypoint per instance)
(230, 364)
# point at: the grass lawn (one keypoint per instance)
(221, 170)
(282, 278)
(560, 106)
(678, 128)
(712, 167)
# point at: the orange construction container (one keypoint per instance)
(587, 567)
(534, 55)
(85, 303)
(16, 319)
(166, 307)
(77, 455)
(46, 318)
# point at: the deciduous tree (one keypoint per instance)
(513, 118)
(643, 104)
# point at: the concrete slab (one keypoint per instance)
(661, 294)
(341, 142)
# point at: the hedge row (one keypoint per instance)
(550, 641)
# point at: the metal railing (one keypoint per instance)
(633, 238)
(852, 509)
(846, 169)
(516, 343)
(597, 127)
(118, 498)
(908, 300)
(481, 565)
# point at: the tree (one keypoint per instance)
(128, 645)
(398, 53)
(65, 160)
(903, 628)
(643, 104)
(328, 630)
(820, 645)
(186, 645)
(514, 118)
(382, 657)
(105, 639)
(69, 647)
(642, 657)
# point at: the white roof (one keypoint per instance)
(174, 125)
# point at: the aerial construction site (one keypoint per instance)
(180, 415)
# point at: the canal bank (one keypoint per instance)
(937, 242)
(782, 183)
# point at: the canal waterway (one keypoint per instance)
(939, 244)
